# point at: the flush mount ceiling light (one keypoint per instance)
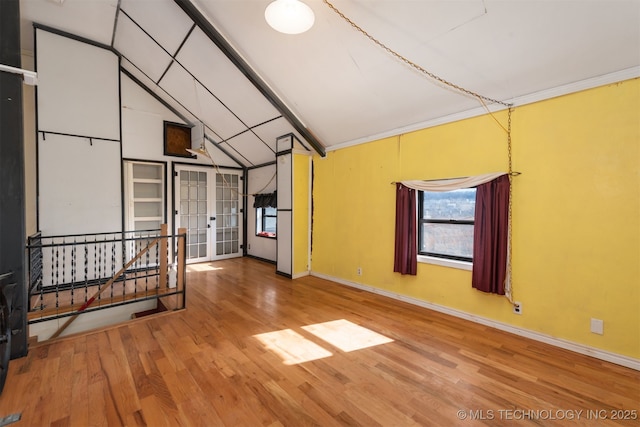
(289, 16)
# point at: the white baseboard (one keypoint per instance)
(607, 356)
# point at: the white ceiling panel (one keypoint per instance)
(270, 131)
(342, 86)
(345, 88)
(161, 93)
(193, 96)
(162, 19)
(252, 149)
(219, 157)
(216, 116)
(93, 20)
(140, 49)
(183, 88)
(220, 76)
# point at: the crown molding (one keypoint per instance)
(603, 80)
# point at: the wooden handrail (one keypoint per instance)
(162, 248)
(105, 287)
(182, 247)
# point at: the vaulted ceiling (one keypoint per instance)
(332, 86)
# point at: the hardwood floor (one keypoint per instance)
(257, 349)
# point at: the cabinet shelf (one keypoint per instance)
(145, 194)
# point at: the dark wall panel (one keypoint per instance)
(12, 218)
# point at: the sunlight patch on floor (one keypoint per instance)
(202, 267)
(292, 347)
(346, 336)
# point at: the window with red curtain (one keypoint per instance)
(491, 227)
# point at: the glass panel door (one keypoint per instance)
(210, 209)
(228, 220)
(192, 192)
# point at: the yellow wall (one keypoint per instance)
(576, 214)
(301, 191)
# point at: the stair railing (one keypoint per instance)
(76, 274)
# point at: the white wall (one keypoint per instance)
(81, 176)
(78, 87)
(261, 247)
(79, 185)
(142, 123)
(143, 120)
(78, 141)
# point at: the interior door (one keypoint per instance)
(228, 224)
(208, 206)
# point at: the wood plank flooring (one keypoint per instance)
(256, 349)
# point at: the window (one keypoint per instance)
(266, 214)
(445, 224)
(266, 222)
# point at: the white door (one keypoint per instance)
(228, 223)
(210, 211)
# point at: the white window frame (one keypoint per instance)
(435, 260)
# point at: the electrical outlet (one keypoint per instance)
(597, 326)
(517, 307)
(359, 271)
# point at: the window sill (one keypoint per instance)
(461, 265)
(267, 235)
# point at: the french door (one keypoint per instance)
(208, 205)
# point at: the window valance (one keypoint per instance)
(451, 184)
(267, 200)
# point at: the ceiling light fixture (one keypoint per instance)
(289, 16)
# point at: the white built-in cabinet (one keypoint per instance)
(144, 192)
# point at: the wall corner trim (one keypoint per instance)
(597, 353)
